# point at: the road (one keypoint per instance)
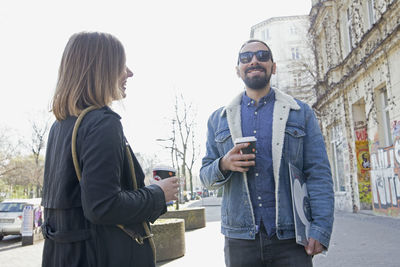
(10, 242)
(357, 240)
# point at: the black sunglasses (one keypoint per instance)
(261, 55)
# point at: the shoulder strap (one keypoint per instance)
(73, 141)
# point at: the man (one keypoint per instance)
(257, 210)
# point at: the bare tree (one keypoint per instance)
(304, 72)
(184, 151)
(195, 149)
(147, 162)
(22, 169)
(40, 127)
(8, 151)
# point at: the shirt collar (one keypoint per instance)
(247, 101)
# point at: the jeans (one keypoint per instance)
(265, 251)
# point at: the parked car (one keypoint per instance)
(11, 211)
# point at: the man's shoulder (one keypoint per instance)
(235, 102)
(218, 112)
(302, 113)
(303, 105)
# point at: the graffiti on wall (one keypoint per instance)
(363, 164)
(385, 172)
(396, 129)
(361, 131)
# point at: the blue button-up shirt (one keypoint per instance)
(257, 121)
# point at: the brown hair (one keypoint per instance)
(89, 73)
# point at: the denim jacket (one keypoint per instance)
(296, 139)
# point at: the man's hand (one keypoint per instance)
(313, 247)
(235, 161)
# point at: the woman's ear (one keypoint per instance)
(237, 71)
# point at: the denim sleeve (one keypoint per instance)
(317, 169)
(210, 174)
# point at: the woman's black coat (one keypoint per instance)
(80, 217)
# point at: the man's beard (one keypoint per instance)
(257, 82)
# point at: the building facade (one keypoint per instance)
(357, 46)
(291, 48)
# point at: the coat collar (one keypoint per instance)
(279, 97)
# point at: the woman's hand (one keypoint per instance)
(170, 186)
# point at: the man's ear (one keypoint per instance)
(237, 71)
(273, 71)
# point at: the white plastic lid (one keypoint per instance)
(164, 168)
(245, 139)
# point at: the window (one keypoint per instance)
(371, 12)
(293, 30)
(384, 119)
(337, 145)
(349, 29)
(295, 53)
(323, 63)
(12, 207)
(297, 79)
(265, 34)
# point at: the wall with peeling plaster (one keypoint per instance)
(348, 104)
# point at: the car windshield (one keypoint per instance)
(12, 207)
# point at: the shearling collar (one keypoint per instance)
(279, 97)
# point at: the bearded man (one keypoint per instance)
(257, 211)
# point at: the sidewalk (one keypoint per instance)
(18, 256)
(205, 246)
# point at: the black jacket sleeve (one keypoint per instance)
(102, 156)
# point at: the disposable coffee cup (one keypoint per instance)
(162, 172)
(251, 148)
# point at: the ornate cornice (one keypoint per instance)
(361, 56)
(275, 19)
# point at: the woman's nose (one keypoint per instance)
(129, 72)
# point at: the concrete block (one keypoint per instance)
(194, 217)
(169, 238)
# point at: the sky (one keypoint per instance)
(172, 46)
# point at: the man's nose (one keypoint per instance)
(254, 60)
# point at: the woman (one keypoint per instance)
(81, 217)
